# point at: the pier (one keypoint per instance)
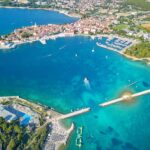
(75, 113)
(65, 116)
(125, 98)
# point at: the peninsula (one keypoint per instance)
(88, 26)
(94, 27)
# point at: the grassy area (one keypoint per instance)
(141, 50)
(120, 27)
(143, 4)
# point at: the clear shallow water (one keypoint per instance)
(52, 75)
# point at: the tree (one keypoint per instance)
(26, 35)
(11, 145)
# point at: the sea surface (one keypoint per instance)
(11, 19)
(54, 75)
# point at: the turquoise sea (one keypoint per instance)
(53, 74)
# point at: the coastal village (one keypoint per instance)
(97, 18)
(125, 32)
(94, 27)
(89, 26)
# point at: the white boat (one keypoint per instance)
(86, 83)
(43, 41)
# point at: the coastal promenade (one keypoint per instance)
(125, 98)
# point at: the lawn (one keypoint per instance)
(120, 27)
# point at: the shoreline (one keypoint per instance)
(10, 45)
(63, 35)
(70, 130)
(47, 9)
(122, 52)
(133, 58)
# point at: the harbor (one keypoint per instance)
(64, 80)
(114, 43)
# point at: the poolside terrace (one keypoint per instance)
(19, 112)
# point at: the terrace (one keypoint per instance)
(15, 111)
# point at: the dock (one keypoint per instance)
(124, 98)
(72, 114)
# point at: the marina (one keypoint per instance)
(114, 43)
